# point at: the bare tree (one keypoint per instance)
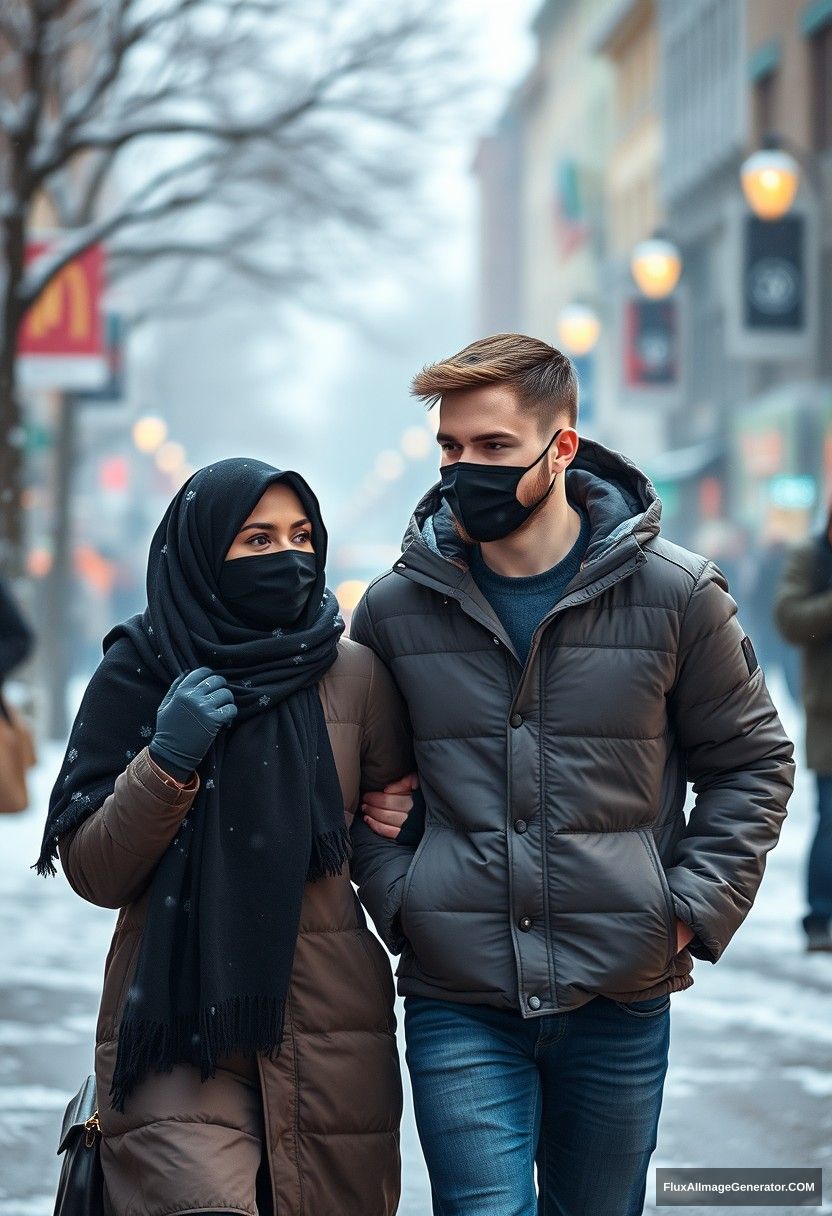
(248, 139)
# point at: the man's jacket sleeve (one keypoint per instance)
(739, 760)
(379, 866)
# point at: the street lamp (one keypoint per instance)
(149, 433)
(770, 179)
(579, 328)
(417, 442)
(349, 592)
(656, 266)
(389, 465)
(170, 458)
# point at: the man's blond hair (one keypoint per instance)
(543, 377)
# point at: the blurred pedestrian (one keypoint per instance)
(567, 671)
(803, 611)
(772, 648)
(17, 754)
(246, 1056)
(16, 638)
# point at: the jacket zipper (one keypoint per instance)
(267, 1135)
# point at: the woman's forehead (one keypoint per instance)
(277, 502)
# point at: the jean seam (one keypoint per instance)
(644, 1014)
(537, 1096)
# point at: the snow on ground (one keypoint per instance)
(751, 1056)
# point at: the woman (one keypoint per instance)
(246, 1058)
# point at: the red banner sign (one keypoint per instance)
(62, 342)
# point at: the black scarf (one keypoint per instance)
(224, 905)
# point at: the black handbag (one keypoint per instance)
(81, 1184)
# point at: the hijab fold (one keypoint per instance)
(224, 902)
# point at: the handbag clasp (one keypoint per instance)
(91, 1127)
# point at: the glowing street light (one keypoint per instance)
(417, 442)
(349, 593)
(579, 328)
(170, 457)
(149, 433)
(389, 465)
(770, 179)
(656, 265)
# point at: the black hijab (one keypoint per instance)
(224, 905)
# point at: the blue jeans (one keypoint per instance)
(819, 869)
(577, 1093)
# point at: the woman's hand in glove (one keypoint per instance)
(195, 709)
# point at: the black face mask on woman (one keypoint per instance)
(271, 590)
(483, 497)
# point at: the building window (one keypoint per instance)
(820, 47)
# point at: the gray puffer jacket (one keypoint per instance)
(556, 855)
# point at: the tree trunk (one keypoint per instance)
(11, 429)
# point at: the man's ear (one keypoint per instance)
(554, 455)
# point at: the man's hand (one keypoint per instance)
(386, 811)
(684, 934)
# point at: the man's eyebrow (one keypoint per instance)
(444, 437)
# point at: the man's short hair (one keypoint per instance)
(543, 377)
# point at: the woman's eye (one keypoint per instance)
(255, 541)
(301, 538)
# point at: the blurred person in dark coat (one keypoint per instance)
(16, 638)
(803, 611)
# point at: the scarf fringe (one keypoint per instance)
(74, 814)
(330, 853)
(252, 1024)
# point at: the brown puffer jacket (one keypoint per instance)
(324, 1116)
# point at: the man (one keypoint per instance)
(567, 670)
(803, 611)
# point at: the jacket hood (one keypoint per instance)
(618, 497)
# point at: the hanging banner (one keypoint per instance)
(62, 342)
(771, 281)
(773, 272)
(651, 343)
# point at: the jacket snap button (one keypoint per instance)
(516, 720)
(496, 641)
(534, 1002)
(401, 566)
(525, 923)
(520, 826)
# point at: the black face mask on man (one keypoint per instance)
(270, 590)
(483, 497)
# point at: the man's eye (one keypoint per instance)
(496, 447)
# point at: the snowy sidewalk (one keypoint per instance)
(751, 1060)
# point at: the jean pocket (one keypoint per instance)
(646, 1009)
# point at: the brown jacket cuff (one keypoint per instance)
(144, 811)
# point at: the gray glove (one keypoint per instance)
(195, 709)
